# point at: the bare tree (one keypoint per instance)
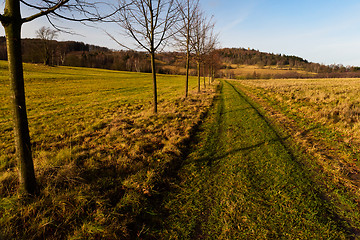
(149, 23)
(203, 40)
(47, 35)
(188, 11)
(214, 64)
(210, 43)
(12, 21)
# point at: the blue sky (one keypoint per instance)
(320, 31)
(323, 31)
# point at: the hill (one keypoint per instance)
(250, 63)
(237, 63)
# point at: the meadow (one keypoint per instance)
(331, 103)
(253, 71)
(320, 118)
(99, 152)
(249, 177)
(246, 159)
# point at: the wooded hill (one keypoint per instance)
(79, 54)
(233, 57)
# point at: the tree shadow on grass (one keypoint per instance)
(212, 152)
(209, 148)
(327, 211)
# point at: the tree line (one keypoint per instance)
(242, 56)
(79, 54)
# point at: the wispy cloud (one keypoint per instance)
(243, 11)
(234, 23)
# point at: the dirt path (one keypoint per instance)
(241, 181)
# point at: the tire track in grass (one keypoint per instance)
(242, 182)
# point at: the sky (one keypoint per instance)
(321, 31)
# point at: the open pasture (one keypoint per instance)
(322, 119)
(98, 149)
(319, 119)
(327, 109)
(64, 102)
(333, 102)
(254, 71)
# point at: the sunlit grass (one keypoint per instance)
(98, 149)
(242, 181)
(63, 102)
(333, 103)
(320, 117)
(244, 71)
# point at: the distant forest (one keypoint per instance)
(78, 54)
(241, 56)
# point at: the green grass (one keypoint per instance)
(330, 147)
(98, 150)
(110, 169)
(253, 71)
(66, 102)
(242, 181)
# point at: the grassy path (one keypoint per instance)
(242, 182)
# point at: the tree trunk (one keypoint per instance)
(209, 75)
(21, 128)
(187, 72)
(204, 77)
(198, 72)
(212, 73)
(153, 69)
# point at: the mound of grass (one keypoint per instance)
(99, 152)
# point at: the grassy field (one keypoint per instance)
(327, 110)
(243, 180)
(99, 152)
(253, 71)
(267, 159)
(321, 118)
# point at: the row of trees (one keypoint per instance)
(78, 54)
(242, 56)
(150, 23)
(70, 53)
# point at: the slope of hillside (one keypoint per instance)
(229, 62)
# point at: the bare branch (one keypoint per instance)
(114, 39)
(148, 22)
(2, 18)
(72, 10)
(43, 12)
